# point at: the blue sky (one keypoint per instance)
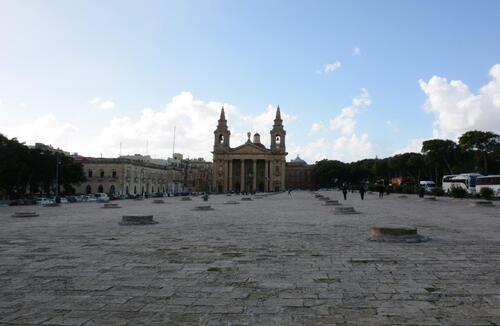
(87, 75)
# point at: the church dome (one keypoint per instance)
(298, 161)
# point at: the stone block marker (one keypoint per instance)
(112, 205)
(482, 203)
(137, 220)
(396, 234)
(186, 199)
(25, 214)
(246, 199)
(318, 195)
(324, 198)
(432, 198)
(203, 208)
(158, 201)
(345, 210)
(331, 203)
(232, 202)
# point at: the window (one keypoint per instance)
(278, 139)
(89, 173)
(113, 173)
(221, 139)
(88, 189)
(100, 188)
(102, 174)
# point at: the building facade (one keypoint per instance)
(298, 174)
(250, 167)
(129, 176)
(197, 175)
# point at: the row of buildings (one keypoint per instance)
(249, 167)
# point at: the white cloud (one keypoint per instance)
(414, 146)
(195, 121)
(345, 121)
(356, 51)
(348, 146)
(329, 68)
(315, 127)
(46, 129)
(102, 104)
(456, 109)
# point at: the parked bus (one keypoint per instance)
(463, 180)
(489, 181)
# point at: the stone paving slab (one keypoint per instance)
(275, 261)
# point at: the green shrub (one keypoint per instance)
(458, 192)
(486, 192)
(437, 191)
(398, 189)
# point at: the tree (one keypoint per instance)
(480, 144)
(441, 154)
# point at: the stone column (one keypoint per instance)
(283, 186)
(230, 186)
(266, 175)
(224, 178)
(254, 181)
(242, 176)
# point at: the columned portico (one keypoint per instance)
(250, 167)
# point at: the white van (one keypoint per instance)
(428, 186)
(101, 197)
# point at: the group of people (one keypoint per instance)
(362, 191)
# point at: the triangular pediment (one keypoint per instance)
(249, 148)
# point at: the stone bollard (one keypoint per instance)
(186, 199)
(482, 203)
(396, 234)
(112, 205)
(331, 203)
(137, 220)
(345, 210)
(203, 208)
(232, 202)
(246, 199)
(432, 198)
(25, 214)
(158, 201)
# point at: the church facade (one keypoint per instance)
(250, 167)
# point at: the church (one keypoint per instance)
(251, 167)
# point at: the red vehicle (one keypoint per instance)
(403, 181)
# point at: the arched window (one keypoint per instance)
(135, 190)
(112, 189)
(221, 139)
(89, 173)
(126, 190)
(100, 188)
(278, 139)
(113, 173)
(101, 173)
(88, 189)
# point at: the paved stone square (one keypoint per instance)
(270, 261)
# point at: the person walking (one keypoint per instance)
(290, 192)
(344, 191)
(362, 192)
(381, 191)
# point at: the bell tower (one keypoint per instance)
(222, 134)
(278, 134)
